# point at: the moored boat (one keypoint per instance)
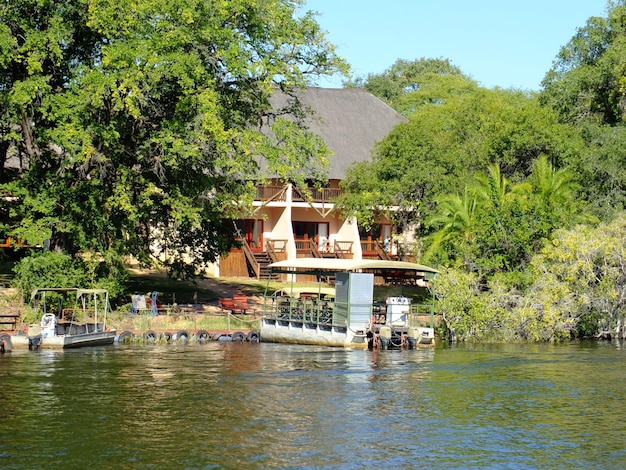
(79, 320)
(349, 314)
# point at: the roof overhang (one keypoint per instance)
(325, 266)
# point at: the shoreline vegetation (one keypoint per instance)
(183, 304)
(193, 305)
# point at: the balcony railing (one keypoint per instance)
(271, 193)
(317, 195)
(277, 193)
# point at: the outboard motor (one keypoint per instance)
(34, 342)
(48, 325)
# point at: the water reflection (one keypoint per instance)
(226, 405)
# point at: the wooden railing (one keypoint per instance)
(368, 247)
(9, 242)
(256, 267)
(314, 251)
(316, 195)
(278, 193)
(305, 246)
(273, 247)
(343, 249)
(271, 193)
(380, 251)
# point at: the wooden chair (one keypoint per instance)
(227, 304)
(241, 303)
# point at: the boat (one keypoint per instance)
(78, 320)
(375, 304)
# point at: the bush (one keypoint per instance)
(52, 269)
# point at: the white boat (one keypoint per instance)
(79, 320)
(348, 315)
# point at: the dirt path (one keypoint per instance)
(221, 289)
(229, 289)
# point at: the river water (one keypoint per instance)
(233, 405)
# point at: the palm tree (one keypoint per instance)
(496, 189)
(456, 218)
(555, 189)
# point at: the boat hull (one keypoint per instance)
(311, 333)
(99, 338)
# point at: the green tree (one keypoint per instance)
(601, 166)
(555, 194)
(580, 280)
(443, 145)
(457, 232)
(587, 86)
(507, 222)
(139, 122)
(405, 77)
(588, 79)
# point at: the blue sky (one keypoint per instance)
(505, 43)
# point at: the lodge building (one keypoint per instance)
(286, 224)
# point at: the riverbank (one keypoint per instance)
(213, 323)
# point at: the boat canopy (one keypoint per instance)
(298, 292)
(66, 290)
(325, 265)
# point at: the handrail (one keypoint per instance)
(271, 193)
(380, 251)
(343, 249)
(313, 248)
(304, 246)
(271, 247)
(256, 267)
(312, 194)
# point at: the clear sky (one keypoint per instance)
(505, 43)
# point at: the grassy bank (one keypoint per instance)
(173, 323)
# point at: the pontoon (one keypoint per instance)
(357, 303)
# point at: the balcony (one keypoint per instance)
(278, 193)
(323, 195)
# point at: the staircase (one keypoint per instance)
(258, 262)
(263, 260)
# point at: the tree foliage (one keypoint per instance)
(588, 79)
(53, 269)
(497, 226)
(588, 266)
(138, 122)
(405, 77)
(444, 144)
(577, 288)
(497, 181)
(587, 87)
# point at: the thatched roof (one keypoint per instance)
(350, 120)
